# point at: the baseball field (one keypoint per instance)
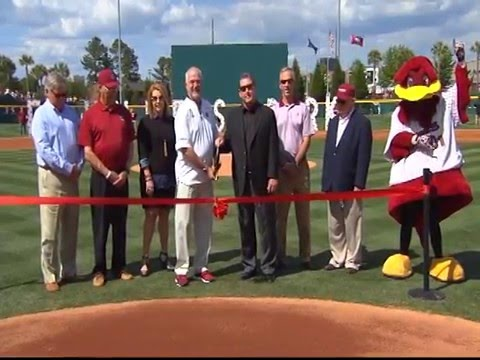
(304, 313)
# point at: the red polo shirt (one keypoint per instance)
(109, 132)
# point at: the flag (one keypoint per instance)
(331, 43)
(310, 45)
(356, 40)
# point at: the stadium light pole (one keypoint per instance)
(339, 36)
(120, 93)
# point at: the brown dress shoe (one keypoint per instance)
(98, 280)
(52, 287)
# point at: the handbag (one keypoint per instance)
(163, 182)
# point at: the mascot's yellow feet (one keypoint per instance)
(397, 266)
(447, 269)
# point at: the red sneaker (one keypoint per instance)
(181, 280)
(206, 276)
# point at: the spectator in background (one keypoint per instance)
(59, 158)
(107, 134)
(157, 154)
(22, 120)
(476, 105)
(134, 114)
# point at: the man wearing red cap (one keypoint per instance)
(346, 159)
(107, 134)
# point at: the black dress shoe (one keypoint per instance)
(330, 267)
(248, 275)
(352, 271)
(266, 278)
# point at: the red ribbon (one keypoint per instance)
(220, 209)
(220, 205)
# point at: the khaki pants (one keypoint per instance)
(298, 183)
(345, 233)
(59, 227)
(196, 217)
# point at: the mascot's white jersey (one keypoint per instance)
(446, 157)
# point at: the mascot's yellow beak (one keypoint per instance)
(417, 92)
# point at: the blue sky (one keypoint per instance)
(58, 30)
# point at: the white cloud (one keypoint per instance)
(54, 30)
(178, 14)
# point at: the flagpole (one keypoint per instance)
(120, 94)
(328, 66)
(213, 31)
(339, 15)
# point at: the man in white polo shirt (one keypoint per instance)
(195, 132)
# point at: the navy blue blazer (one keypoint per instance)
(346, 165)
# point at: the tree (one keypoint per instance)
(358, 79)
(374, 58)
(77, 87)
(299, 81)
(443, 61)
(163, 71)
(37, 72)
(318, 86)
(129, 61)
(62, 69)
(393, 58)
(26, 61)
(7, 71)
(338, 77)
(96, 58)
(476, 49)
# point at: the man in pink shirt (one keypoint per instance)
(295, 130)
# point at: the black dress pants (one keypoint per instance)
(266, 219)
(102, 217)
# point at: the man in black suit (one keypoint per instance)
(251, 136)
(346, 159)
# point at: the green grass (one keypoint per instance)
(9, 130)
(20, 277)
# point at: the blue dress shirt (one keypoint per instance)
(54, 134)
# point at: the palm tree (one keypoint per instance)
(7, 69)
(476, 49)
(62, 69)
(374, 59)
(443, 61)
(26, 60)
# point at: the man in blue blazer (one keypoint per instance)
(346, 159)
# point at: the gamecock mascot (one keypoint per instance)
(422, 135)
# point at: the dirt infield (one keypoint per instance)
(237, 327)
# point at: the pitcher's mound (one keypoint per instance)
(226, 168)
(218, 327)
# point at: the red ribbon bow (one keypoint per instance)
(220, 209)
